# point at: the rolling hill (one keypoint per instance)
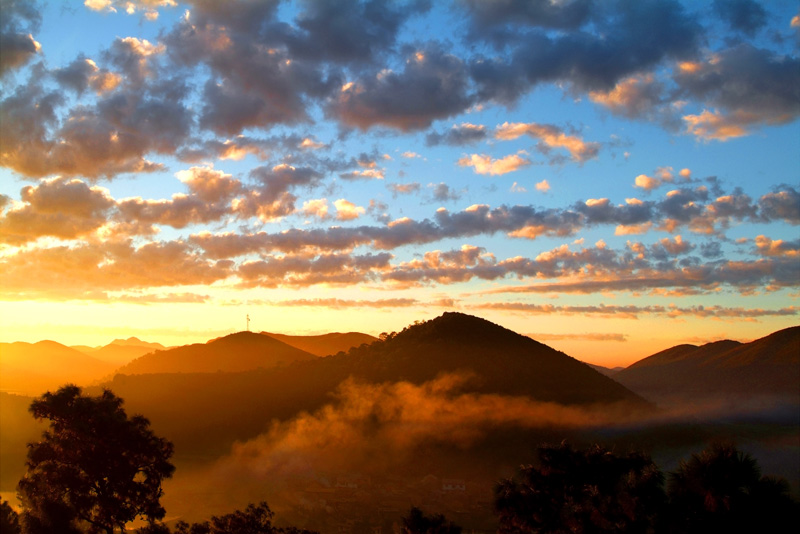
(496, 360)
(242, 351)
(325, 344)
(33, 368)
(766, 367)
(120, 351)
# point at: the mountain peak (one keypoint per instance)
(461, 328)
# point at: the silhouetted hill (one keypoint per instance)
(766, 367)
(136, 342)
(608, 371)
(325, 344)
(242, 351)
(120, 351)
(498, 361)
(33, 368)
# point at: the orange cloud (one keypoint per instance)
(550, 137)
(484, 164)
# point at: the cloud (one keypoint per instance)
(345, 31)
(645, 34)
(103, 141)
(746, 16)
(348, 303)
(543, 186)
(347, 211)
(778, 247)
(302, 270)
(88, 270)
(60, 207)
(458, 135)
(549, 137)
(485, 16)
(680, 208)
(638, 96)
(745, 86)
(404, 189)
(398, 418)
(17, 44)
(432, 86)
(444, 193)
(316, 208)
(83, 73)
(634, 311)
(580, 337)
(484, 164)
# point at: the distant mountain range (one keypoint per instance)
(495, 360)
(766, 367)
(237, 384)
(325, 344)
(243, 351)
(33, 368)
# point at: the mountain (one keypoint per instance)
(766, 367)
(120, 351)
(136, 342)
(325, 344)
(608, 371)
(242, 351)
(495, 360)
(33, 368)
(500, 361)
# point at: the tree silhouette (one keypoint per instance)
(574, 491)
(94, 466)
(255, 519)
(416, 522)
(9, 519)
(721, 490)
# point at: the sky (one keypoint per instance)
(612, 178)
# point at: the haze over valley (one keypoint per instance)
(376, 425)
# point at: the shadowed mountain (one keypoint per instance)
(120, 351)
(242, 351)
(496, 360)
(608, 371)
(325, 344)
(501, 361)
(33, 368)
(766, 367)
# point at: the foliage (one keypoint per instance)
(721, 489)
(574, 491)
(9, 519)
(93, 466)
(255, 519)
(416, 522)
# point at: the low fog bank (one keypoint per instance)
(378, 449)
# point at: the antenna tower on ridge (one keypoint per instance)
(248, 322)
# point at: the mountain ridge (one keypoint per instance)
(241, 351)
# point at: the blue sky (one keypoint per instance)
(610, 177)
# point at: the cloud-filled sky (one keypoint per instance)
(615, 177)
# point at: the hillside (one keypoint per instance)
(766, 367)
(33, 368)
(242, 351)
(498, 361)
(325, 344)
(120, 351)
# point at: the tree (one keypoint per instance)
(721, 490)
(574, 491)
(9, 519)
(255, 519)
(416, 522)
(93, 466)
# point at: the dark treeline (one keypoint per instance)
(96, 469)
